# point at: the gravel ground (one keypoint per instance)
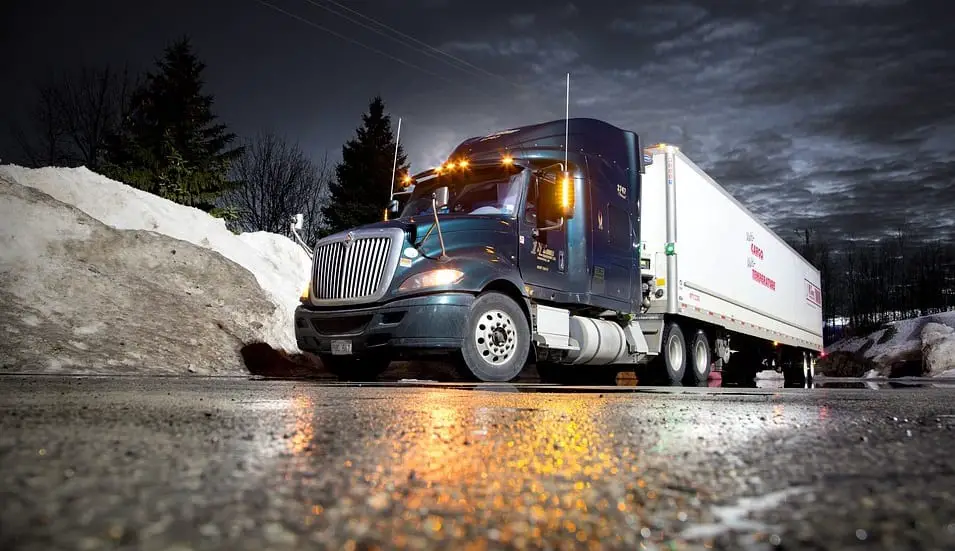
(232, 463)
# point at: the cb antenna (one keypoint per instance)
(394, 167)
(567, 123)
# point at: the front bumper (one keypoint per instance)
(432, 322)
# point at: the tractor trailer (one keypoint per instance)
(599, 255)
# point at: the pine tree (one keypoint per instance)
(171, 143)
(360, 192)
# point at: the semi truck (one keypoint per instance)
(569, 245)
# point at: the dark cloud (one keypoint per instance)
(838, 114)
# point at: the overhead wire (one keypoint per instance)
(428, 49)
(355, 42)
(381, 52)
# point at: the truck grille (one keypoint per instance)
(350, 272)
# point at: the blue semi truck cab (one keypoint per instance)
(513, 251)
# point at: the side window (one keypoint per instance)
(619, 226)
(530, 204)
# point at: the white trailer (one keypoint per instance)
(714, 266)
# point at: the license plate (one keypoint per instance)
(341, 348)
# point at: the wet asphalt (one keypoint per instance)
(210, 463)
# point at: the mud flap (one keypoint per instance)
(635, 339)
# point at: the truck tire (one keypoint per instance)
(701, 358)
(355, 368)
(673, 360)
(496, 339)
(795, 368)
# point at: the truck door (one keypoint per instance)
(543, 259)
(612, 252)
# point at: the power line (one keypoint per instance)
(378, 31)
(408, 37)
(353, 41)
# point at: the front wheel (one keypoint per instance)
(497, 338)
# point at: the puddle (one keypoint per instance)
(766, 382)
(735, 517)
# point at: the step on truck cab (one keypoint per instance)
(608, 255)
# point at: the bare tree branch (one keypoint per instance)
(277, 181)
(73, 115)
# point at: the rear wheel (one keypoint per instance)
(497, 339)
(700, 358)
(795, 369)
(355, 368)
(672, 363)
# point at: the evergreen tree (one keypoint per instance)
(171, 143)
(360, 192)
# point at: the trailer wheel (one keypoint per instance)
(497, 338)
(355, 368)
(674, 353)
(795, 370)
(701, 358)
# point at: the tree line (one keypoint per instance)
(158, 132)
(868, 283)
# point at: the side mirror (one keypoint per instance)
(557, 203)
(298, 221)
(440, 197)
(393, 206)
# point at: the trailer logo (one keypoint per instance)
(813, 293)
(764, 280)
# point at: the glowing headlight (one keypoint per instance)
(433, 278)
(306, 293)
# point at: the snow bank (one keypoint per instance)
(938, 348)
(279, 265)
(80, 297)
(929, 339)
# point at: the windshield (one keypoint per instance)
(489, 191)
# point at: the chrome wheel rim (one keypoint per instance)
(675, 352)
(700, 357)
(495, 336)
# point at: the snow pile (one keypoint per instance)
(929, 340)
(938, 349)
(279, 266)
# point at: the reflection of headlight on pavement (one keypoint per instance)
(432, 278)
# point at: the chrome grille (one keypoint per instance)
(350, 271)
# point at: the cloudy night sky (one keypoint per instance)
(838, 114)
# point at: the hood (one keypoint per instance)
(416, 227)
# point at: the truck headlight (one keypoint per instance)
(306, 293)
(432, 278)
